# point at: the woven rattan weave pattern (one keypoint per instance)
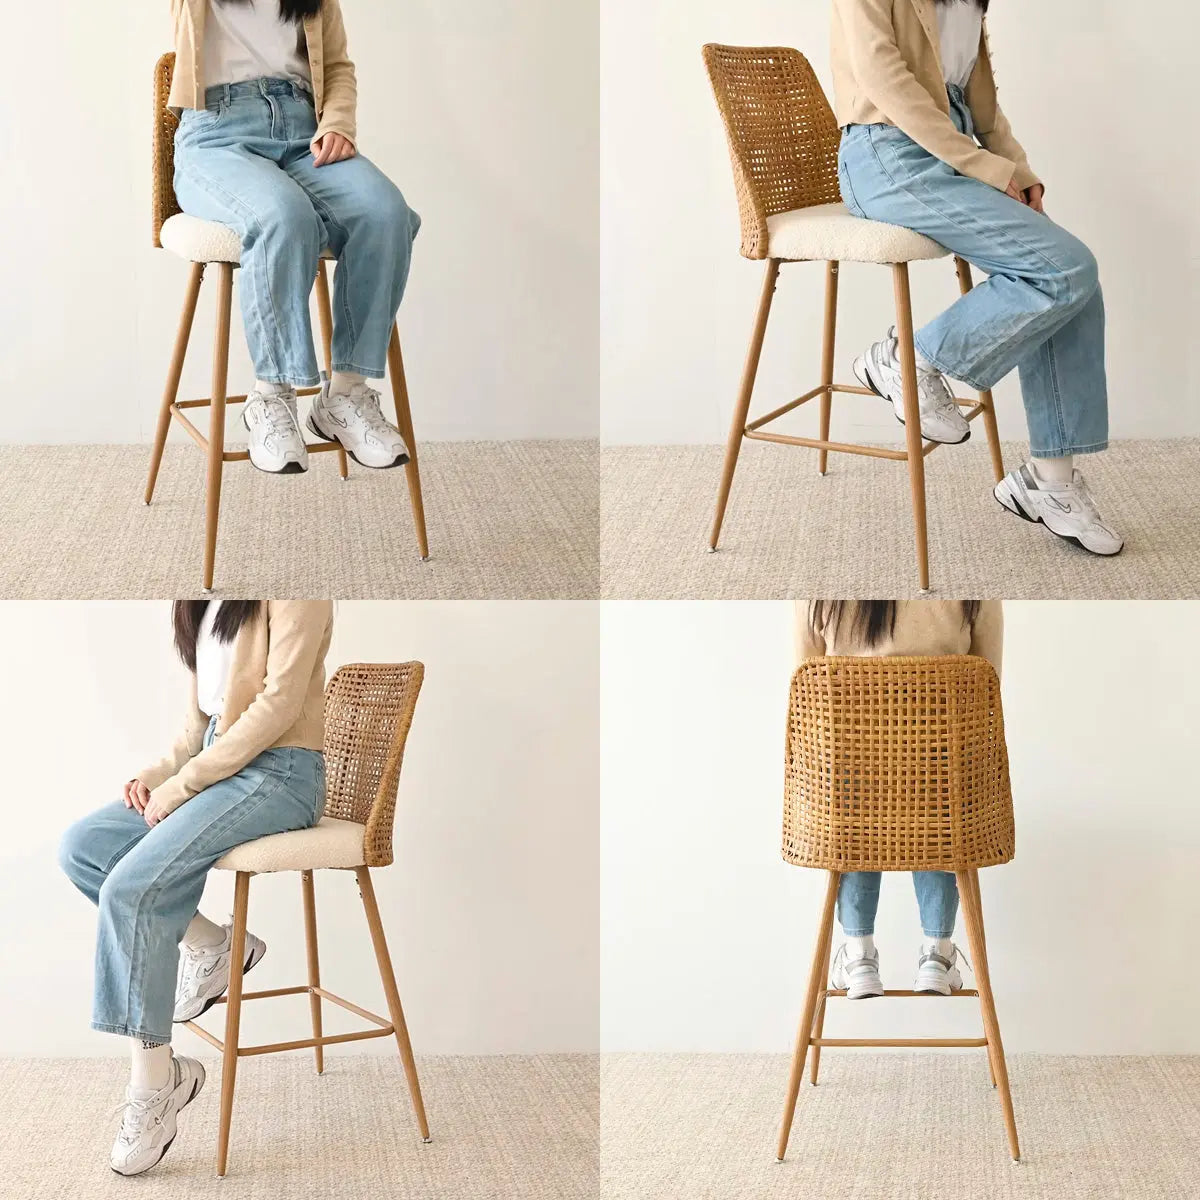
(368, 713)
(783, 136)
(163, 202)
(897, 764)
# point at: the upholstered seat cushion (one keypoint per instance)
(829, 232)
(329, 843)
(203, 241)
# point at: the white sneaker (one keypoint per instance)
(204, 974)
(936, 973)
(857, 977)
(354, 419)
(148, 1127)
(1066, 509)
(276, 441)
(941, 418)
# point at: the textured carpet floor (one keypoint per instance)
(900, 1127)
(789, 533)
(506, 520)
(503, 1129)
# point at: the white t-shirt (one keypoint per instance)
(213, 660)
(960, 24)
(245, 39)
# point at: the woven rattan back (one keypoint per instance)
(897, 764)
(783, 137)
(162, 201)
(368, 712)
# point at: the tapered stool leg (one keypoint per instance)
(387, 975)
(974, 882)
(827, 348)
(985, 398)
(233, 1014)
(405, 425)
(174, 373)
(325, 318)
(912, 418)
(804, 1033)
(742, 408)
(819, 1019)
(216, 425)
(968, 889)
(314, 962)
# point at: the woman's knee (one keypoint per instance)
(383, 211)
(292, 221)
(72, 850)
(1077, 277)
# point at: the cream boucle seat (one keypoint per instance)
(783, 143)
(209, 243)
(831, 233)
(368, 713)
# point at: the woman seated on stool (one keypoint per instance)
(248, 764)
(887, 629)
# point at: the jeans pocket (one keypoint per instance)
(848, 197)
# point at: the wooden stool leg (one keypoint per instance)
(985, 398)
(804, 1033)
(314, 963)
(174, 372)
(325, 317)
(387, 975)
(742, 408)
(968, 886)
(405, 425)
(216, 425)
(827, 349)
(819, 1019)
(912, 417)
(983, 942)
(233, 1014)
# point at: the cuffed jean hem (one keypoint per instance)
(125, 1031)
(858, 932)
(291, 380)
(1094, 448)
(358, 369)
(951, 371)
(948, 934)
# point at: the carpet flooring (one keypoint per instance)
(791, 533)
(506, 1128)
(506, 520)
(900, 1127)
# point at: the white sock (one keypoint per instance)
(940, 946)
(150, 1067)
(203, 934)
(860, 947)
(270, 389)
(923, 364)
(1054, 470)
(341, 383)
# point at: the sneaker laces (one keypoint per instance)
(135, 1114)
(364, 403)
(279, 413)
(934, 395)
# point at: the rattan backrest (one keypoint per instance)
(783, 137)
(162, 200)
(368, 713)
(897, 764)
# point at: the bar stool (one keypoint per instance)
(368, 712)
(783, 143)
(205, 243)
(897, 764)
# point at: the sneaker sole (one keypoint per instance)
(196, 1086)
(292, 468)
(1016, 509)
(864, 377)
(400, 462)
(251, 963)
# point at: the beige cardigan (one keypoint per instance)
(275, 697)
(923, 627)
(335, 87)
(887, 69)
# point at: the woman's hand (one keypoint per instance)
(331, 148)
(1033, 197)
(1015, 192)
(136, 795)
(154, 812)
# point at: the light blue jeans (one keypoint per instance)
(244, 160)
(937, 902)
(1040, 310)
(147, 882)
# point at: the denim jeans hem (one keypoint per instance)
(125, 1031)
(358, 369)
(858, 932)
(947, 370)
(948, 934)
(1094, 448)
(291, 380)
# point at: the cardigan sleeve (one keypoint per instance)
(885, 79)
(987, 635)
(187, 746)
(340, 100)
(296, 633)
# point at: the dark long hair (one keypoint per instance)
(186, 616)
(289, 10)
(871, 621)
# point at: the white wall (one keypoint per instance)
(708, 934)
(483, 111)
(491, 907)
(1089, 88)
